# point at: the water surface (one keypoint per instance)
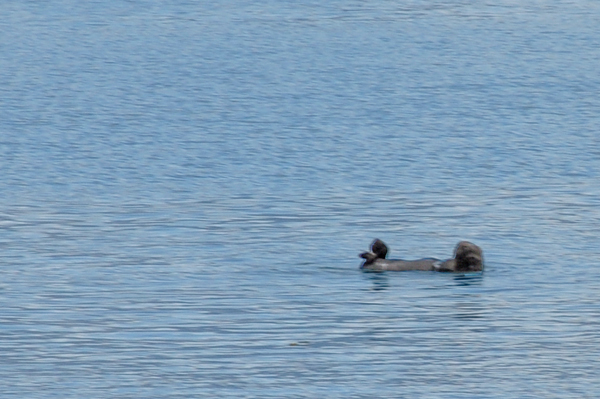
(186, 187)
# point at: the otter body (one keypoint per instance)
(468, 257)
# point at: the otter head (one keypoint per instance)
(469, 257)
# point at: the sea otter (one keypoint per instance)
(468, 258)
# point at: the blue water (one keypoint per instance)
(185, 188)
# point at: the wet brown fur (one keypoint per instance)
(468, 257)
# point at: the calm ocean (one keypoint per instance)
(185, 188)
